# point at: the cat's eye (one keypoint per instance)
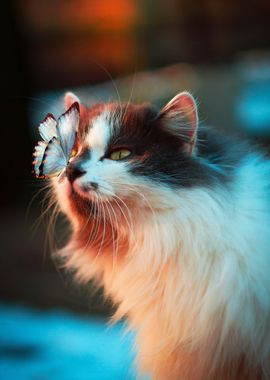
(119, 154)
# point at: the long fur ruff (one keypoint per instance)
(195, 282)
(186, 262)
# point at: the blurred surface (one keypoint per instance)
(59, 345)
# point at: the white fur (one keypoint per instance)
(99, 133)
(195, 281)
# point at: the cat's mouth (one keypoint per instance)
(86, 201)
(87, 191)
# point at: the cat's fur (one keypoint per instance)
(178, 234)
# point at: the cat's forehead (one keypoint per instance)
(100, 130)
(112, 121)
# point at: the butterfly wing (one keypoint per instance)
(52, 154)
(67, 129)
(54, 159)
(47, 129)
(38, 156)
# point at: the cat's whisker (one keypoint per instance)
(91, 214)
(49, 236)
(103, 232)
(111, 79)
(128, 221)
(132, 188)
(52, 221)
(39, 100)
(104, 229)
(98, 219)
(99, 213)
(44, 212)
(51, 230)
(38, 193)
(133, 86)
(50, 211)
(50, 199)
(112, 234)
(93, 226)
(113, 237)
(130, 95)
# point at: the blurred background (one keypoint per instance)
(149, 50)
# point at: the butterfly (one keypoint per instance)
(52, 154)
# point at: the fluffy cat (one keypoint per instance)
(173, 221)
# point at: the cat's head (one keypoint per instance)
(129, 159)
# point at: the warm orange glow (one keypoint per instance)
(73, 152)
(82, 57)
(80, 15)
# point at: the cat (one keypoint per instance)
(173, 219)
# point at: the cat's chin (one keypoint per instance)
(84, 192)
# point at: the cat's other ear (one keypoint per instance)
(180, 118)
(71, 98)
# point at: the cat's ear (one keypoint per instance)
(71, 98)
(180, 118)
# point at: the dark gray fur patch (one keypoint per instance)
(159, 156)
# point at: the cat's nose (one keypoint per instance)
(74, 171)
